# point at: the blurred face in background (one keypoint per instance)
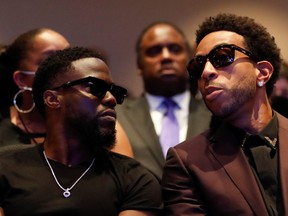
(38, 49)
(44, 44)
(162, 65)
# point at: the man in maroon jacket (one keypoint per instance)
(240, 165)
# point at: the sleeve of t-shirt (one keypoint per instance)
(142, 189)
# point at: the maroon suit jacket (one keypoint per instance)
(203, 177)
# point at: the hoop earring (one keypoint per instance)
(15, 101)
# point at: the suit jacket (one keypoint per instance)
(210, 175)
(134, 116)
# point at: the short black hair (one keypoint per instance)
(257, 39)
(56, 65)
(145, 30)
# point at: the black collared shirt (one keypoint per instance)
(262, 153)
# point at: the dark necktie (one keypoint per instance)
(170, 129)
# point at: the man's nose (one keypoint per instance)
(166, 52)
(209, 71)
(109, 99)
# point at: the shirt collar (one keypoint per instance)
(155, 101)
(269, 134)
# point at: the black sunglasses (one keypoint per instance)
(98, 88)
(220, 56)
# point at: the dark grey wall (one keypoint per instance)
(113, 25)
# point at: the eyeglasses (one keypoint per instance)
(98, 88)
(220, 56)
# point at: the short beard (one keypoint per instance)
(238, 96)
(90, 134)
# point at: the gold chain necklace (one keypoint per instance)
(66, 192)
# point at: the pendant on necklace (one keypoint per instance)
(66, 193)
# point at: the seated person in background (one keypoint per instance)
(240, 165)
(73, 172)
(22, 123)
(162, 54)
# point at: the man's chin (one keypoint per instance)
(107, 123)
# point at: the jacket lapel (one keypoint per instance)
(138, 111)
(226, 149)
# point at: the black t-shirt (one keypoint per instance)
(114, 184)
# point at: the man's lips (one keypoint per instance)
(167, 70)
(212, 92)
(108, 114)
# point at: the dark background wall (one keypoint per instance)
(113, 25)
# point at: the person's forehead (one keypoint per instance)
(94, 67)
(49, 39)
(161, 34)
(214, 39)
(45, 44)
(90, 64)
(54, 39)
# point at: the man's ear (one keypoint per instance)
(51, 99)
(19, 79)
(265, 71)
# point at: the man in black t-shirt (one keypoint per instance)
(74, 172)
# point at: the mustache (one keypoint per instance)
(215, 84)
